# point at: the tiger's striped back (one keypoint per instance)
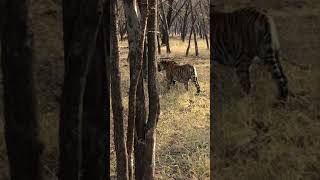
(240, 36)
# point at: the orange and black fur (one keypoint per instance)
(180, 73)
(242, 35)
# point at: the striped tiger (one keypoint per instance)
(243, 35)
(180, 73)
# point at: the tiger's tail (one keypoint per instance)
(272, 58)
(194, 78)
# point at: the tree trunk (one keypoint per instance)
(159, 46)
(169, 15)
(185, 23)
(79, 51)
(117, 107)
(195, 43)
(204, 27)
(140, 124)
(136, 36)
(189, 43)
(20, 104)
(96, 112)
(165, 29)
(154, 105)
(192, 31)
(145, 61)
(206, 35)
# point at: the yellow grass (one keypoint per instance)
(291, 151)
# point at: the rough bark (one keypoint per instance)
(204, 27)
(190, 35)
(169, 15)
(145, 60)
(20, 104)
(136, 28)
(185, 23)
(158, 45)
(140, 124)
(79, 51)
(117, 107)
(164, 28)
(195, 43)
(192, 31)
(154, 105)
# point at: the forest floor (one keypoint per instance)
(183, 131)
(259, 141)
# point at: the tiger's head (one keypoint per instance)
(163, 65)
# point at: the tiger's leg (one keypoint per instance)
(278, 75)
(186, 85)
(244, 76)
(196, 83)
(169, 79)
(168, 84)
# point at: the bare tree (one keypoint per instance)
(154, 105)
(165, 26)
(185, 21)
(20, 105)
(145, 126)
(118, 121)
(193, 31)
(136, 28)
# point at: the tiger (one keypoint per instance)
(180, 73)
(242, 36)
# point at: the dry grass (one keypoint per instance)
(259, 141)
(182, 150)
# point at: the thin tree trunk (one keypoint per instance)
(145, 61)
(206, 38)
(169, 15)
(117, 107)
(159, 46)
(79, 51)
(140, 119)
(154, 105)
(205, 31)
(165, 28)
(192, 31)
(189, 43)
(20, 104)
(136, 36)
(185, 22)
(195, 43)
(140, 124)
